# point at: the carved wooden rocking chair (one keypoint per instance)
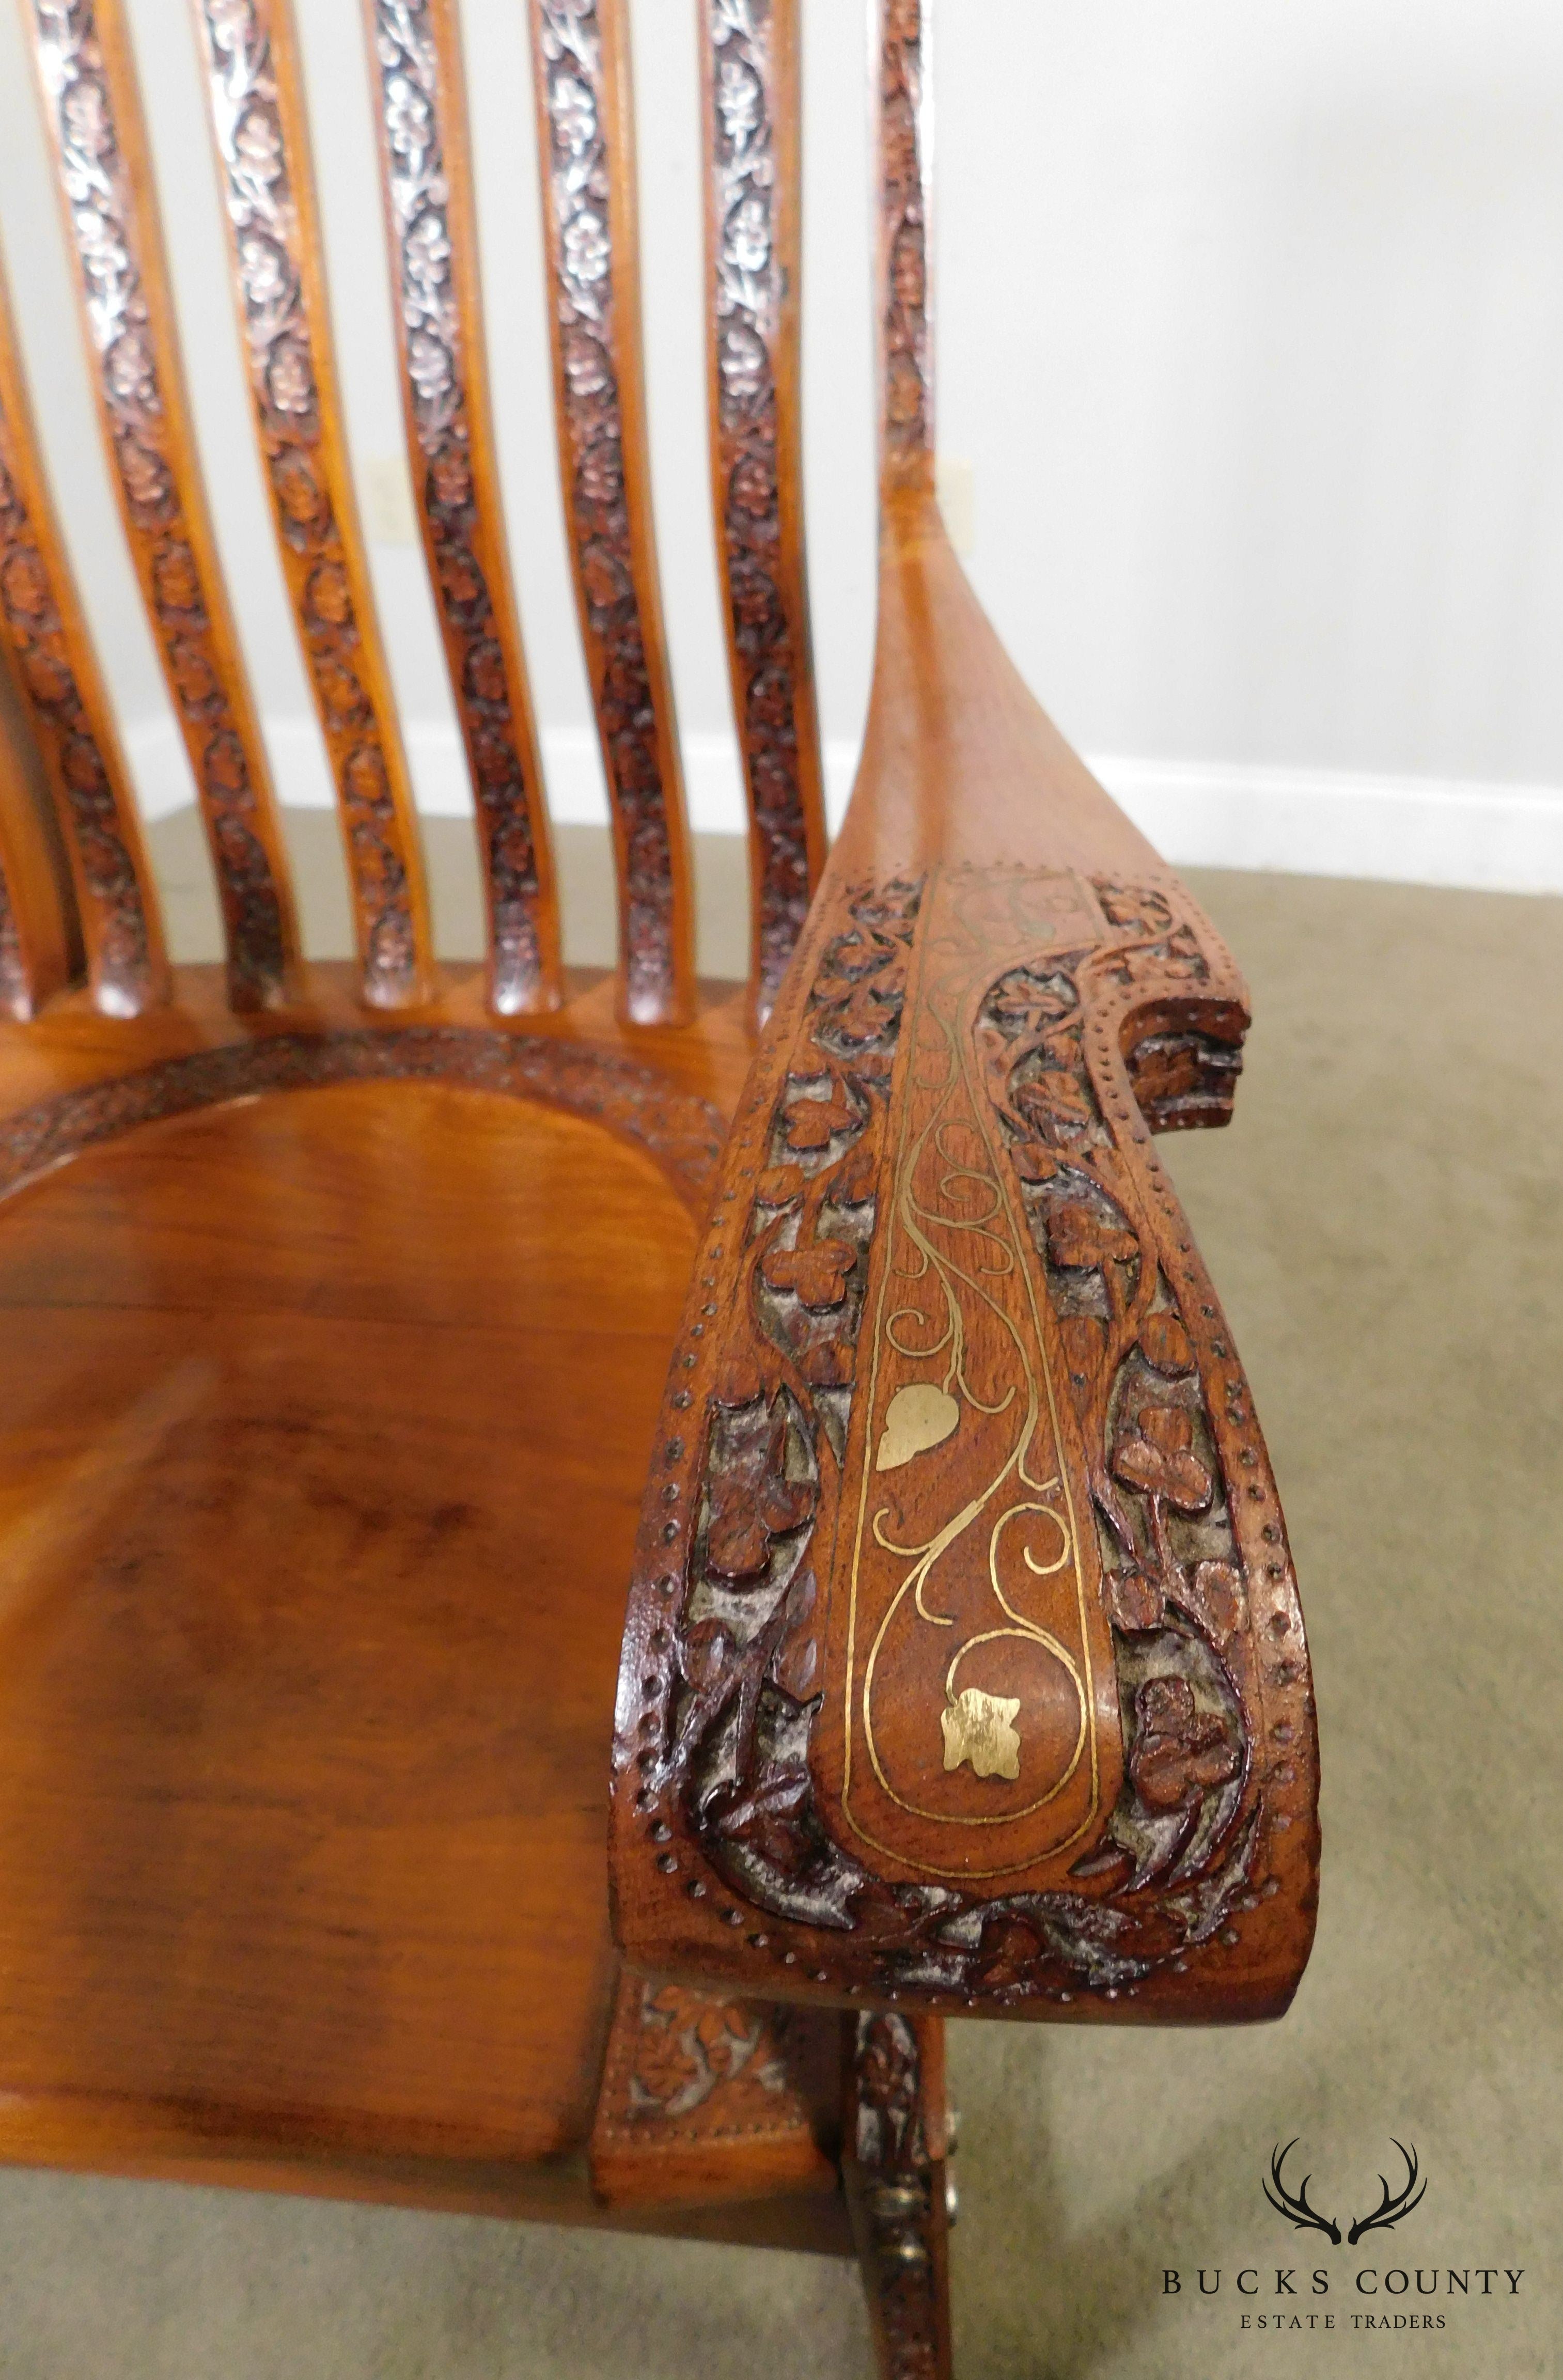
(963, 1670)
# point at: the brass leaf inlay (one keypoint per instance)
(917, 1417)
(979, 1728)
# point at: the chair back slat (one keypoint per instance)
(93, 114)
(587, 159)
(420, 98)
(906, 312)
(749, 53)
(72, 722)
(255, 101)
(40, 941)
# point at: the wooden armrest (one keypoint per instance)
(964, 1664)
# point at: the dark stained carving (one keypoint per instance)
(756, 460)
(907, 351)
(123, 953)
(693, 2044)
(1179, 1536)
(896, 2186)
(283, 353)
(682, 1133)
(485, 667)
(115, 241)
(607, 504)
(700, 2091)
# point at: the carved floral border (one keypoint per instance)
(126, 965)
(296, 438)
(712, 1754)
(138, 395)
(592, 361)
(767, 604)
(494, 714)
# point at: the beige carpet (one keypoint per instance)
(1384, 1222)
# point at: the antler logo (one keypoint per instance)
(1392, 2208)
(1296, 2210)
(1385, 2216)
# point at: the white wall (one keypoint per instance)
(1251, 332)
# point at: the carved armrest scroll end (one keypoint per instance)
(964, 1668)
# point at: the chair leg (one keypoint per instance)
(894, 2144)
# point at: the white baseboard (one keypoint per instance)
(1501, 838)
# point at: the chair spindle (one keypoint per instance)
(39, 946)
(56, 674)
(749, 55)
(587, 160)
(420, 98)
(256, 104)
(905, 356)
(91, 110)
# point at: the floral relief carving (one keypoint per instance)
(134, 381)
(279, 339)
(1149, 1449)
(769, 622)
(691, 2044)
(894, 2185)
(499, 745)
(126, 967)
(589, 348)
(906, 352)
(721, 1769)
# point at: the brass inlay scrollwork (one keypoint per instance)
(957, 1294)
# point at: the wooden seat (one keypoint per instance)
(369, 1330)
(307, 1670)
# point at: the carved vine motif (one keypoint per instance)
(692, 2044)
(1193, 1838)
(908, 357)
(1172, 1572)
(896, 2186)
(699, 2083)
(262, 213)
(134, 381)
(124, 967)
(777, 1441)
(588, 336)
(682, 1133)
(497, 741)
(769, 630)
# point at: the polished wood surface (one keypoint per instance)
(93, 115)
(307, 1664)
(39, 929)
